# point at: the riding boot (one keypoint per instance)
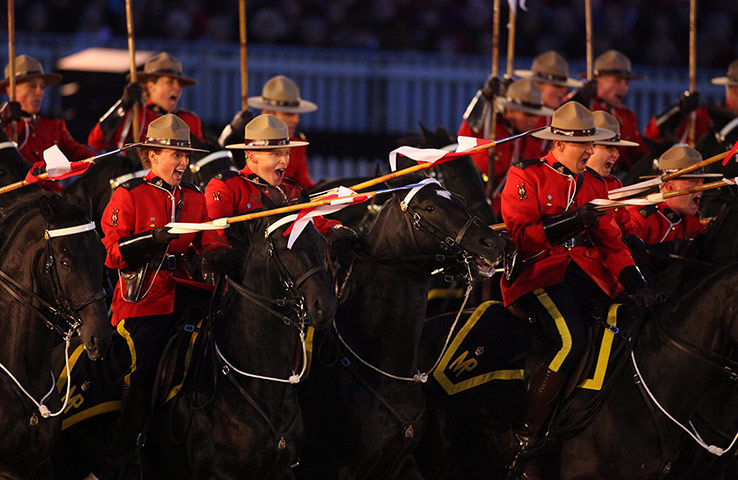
(135, 406)
(543, 390)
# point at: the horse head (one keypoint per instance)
(71, 264)
(296, 275)
(441, 225)
(201, 170)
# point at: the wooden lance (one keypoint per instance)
(493, 125)
(244, 68)
(588, 20)
(132, 53)
(692, 66)
(11, 65)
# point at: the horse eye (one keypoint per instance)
(65, 264)
(429, 208)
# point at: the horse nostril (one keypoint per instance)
(317, 305)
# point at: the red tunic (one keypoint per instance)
(146, 116)
(297, 169)
(622, 216)
(658, 223)
(702, 126)
(36, 134)
(231, 193)
(140, 205)
(536, 190)
(628, 130)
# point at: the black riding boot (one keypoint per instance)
(135, 406)
(543, 391)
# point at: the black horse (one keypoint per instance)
(363, 404)
(236, 415)
(13, 167)
(201, 170)
(51, 263)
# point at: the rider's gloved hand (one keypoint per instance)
(495, 86)
(132, 94)
(162, 235)
(588, 214)
(688, 102)
(10, 112)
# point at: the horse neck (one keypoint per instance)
(668, 371)
(26, 342)
(389, 300)
(255, 340)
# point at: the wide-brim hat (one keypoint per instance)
(613, 62)
(266, 132)
(525, 96)
(679, 157)
(163, 65)
(604, 120)
(171, 132)
(731, 78)
(550, 67)
(281, 94)
(573, 122)
(28, 68)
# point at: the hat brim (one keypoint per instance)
(723, 81)
(305, 106)
(688, 175)
(142, 77)
(600, 134)
(48, 78)
(619, 143)
(167, 147)
(243, 146)
(543, 111)
(570, 82)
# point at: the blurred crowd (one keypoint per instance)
(648, 31)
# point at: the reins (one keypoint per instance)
(419, 223)
(64, 310)
(716, 361)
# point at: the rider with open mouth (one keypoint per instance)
(676, 217)
(606, 154)
(160, 85)
(572, 258)
(149, 297)
(267, 145)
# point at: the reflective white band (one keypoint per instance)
(61, 232)
(282, 221)
(186, 227)
(8, 144)
(416, 189)
(128, 176)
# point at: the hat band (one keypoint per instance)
(523, 103)
(616, 138)
(166, 72)
(266, 142)
(29, 72)
(613, 71)
(281, 103)
(549, 76)
(699, 171)
(167, 142)
(588, 132)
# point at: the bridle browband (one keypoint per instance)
(63, 309)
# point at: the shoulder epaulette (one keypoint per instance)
(191, 186)
(226, 174)
(647, 210)
(132, 183)
(594, 173)
(528, 162)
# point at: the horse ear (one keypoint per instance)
(47, 208)
(80, 196)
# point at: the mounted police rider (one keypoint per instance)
(573, 256)
(163, 81)
(151, 262)
(281, 98)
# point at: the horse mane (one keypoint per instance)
(16, 215)
(687, 298)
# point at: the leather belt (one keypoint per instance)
(581, 240)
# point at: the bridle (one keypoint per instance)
(221, 155)
(63, 315)
(293, 301)
(723, 364)
(63, 310)
(447, 242)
